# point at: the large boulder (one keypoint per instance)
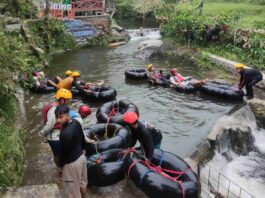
(150, 43)
(241, 140)
(233, 131)
(119, 34)
(150, 49)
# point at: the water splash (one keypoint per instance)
(138, 34)
(233, 175)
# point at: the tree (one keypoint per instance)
(145, 7)
(111, 7)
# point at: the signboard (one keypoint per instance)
(59, 5)
(83, 32)
(70, 24)
(79, 29)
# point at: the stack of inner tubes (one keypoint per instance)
(105, 168)
(45, 89)
(167, 175)
(222, 90)
(99, 94)
(112, 112)
(107, 136)
(136, 74)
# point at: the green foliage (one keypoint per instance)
(50, 34)
(14, 61)
(124, 9)
(100, 40)
(21, 8)
(187, 27)
(12, 153)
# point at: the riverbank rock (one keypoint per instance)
(241, 140)
(258, 108)
(150, 49)
(233, 131)
(119, 34)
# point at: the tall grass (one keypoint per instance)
(249, 13)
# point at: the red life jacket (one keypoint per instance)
(178, 77)
(46, 108)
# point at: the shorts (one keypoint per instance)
(55, 146)
(74, 177)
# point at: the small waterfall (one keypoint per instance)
(238, 166)
(136, 34)
(235, 131)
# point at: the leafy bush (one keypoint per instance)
(186, 27)
(50, 34)
(12, 153)
(14, 60)
(20, 8)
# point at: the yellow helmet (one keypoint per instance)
(68, 72)
(239, 66)
(150, 66)
(63, 93)
(75, 74)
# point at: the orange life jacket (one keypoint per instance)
(65, 83)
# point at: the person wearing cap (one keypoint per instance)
(148, 138)
(72, 162)
(156, 76)
(177, 79)
(52, 128)
(68, 73)
(248, 77)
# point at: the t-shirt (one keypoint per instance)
(72, 141)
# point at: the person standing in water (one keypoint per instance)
(72, 161)
(52, 128)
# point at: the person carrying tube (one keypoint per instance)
(248, 77)
(72, 161)
(52, 128)
(148, 139)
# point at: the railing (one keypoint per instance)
(215, 183)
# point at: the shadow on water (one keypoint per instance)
(184, 119)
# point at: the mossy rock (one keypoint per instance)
(258, 108)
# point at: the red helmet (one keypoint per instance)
(174, 70)
(84, 111)
(130, 117)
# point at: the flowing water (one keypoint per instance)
(239, 176)
(184, 119)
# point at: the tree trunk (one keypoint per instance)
(47, 10)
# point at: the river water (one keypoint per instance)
(184, 119)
